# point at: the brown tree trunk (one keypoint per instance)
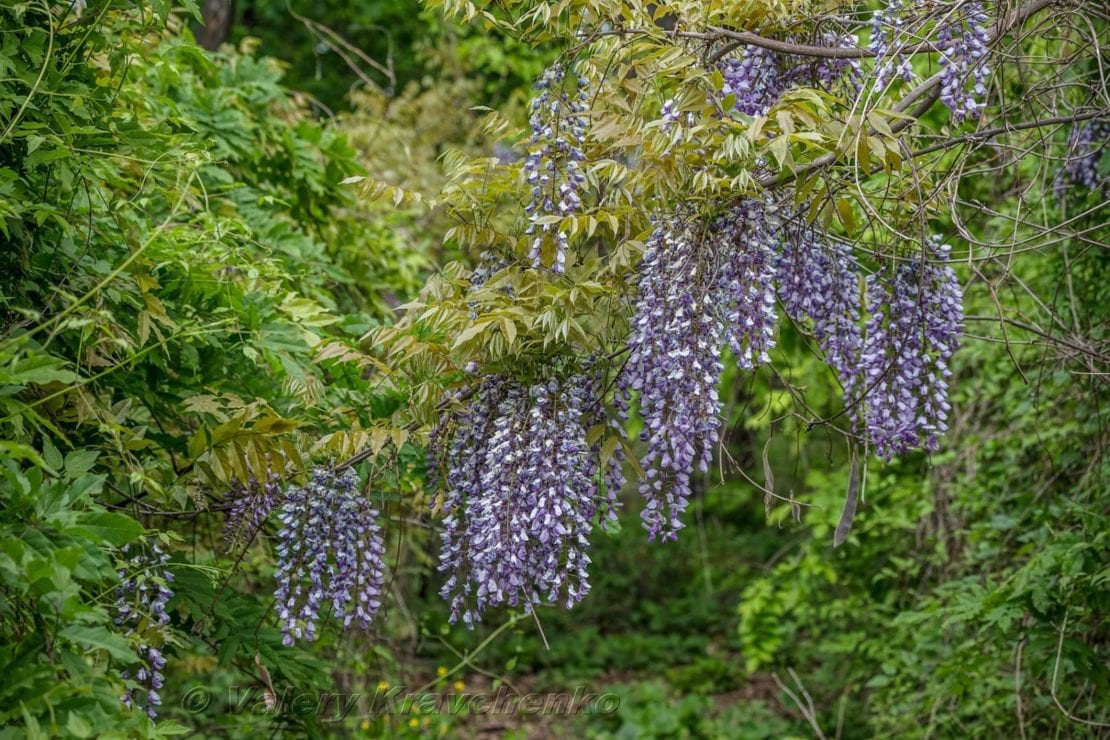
(216, 24)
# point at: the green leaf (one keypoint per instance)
(80, 462)
(99, 638)
(106, 526)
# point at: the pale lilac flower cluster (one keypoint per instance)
(329, 550)
(914, 327)
(553, 166)
(522, 496)
(819, 283)
(700, 288)
(141, 600)
(887, 31)
(963, 58)
(250, 507)
(760, 76)
(747, 239)
(1086, 148)
(755, 78)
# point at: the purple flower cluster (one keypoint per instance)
(141, 600)
(699, 289)
(759, 77)
(963, 43)
(1086, 147)
(755, 78)
(745, 291)
(250, 506)
(522, 496)
(553, 165)
(887, 30)
(819, 283)
(329, 550)
(914, 327)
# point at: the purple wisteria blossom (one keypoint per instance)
(330, 551)
(1086, 148)
(250, 507)
(553, 166)
(755, 78)
(522, 496)
(888, 34)
(819, 284)
(963, 38)
(916, 316)
(700, 288)
(141, 600)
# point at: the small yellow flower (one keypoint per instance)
(383, 685)
(441, 671)
(460, 686)
(414, 723)
(365, 724)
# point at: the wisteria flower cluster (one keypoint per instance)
(819, 283)
(699, 289)
(963, 41)
(522, 495)
(888, 34)
(141, 600)
(329, 550)
(759, 76)
(916, 316)
(553, 166)
(1086, 148)
(962, 37)
(251, 505)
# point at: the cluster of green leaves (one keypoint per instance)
(180, 247)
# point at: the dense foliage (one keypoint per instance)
(286, 396)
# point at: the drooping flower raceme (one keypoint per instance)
(1086, 148)
(746, 239)
(250, 507)
(330, 552)
(963, 38)
(755, 78)
(141, 600)
(760, 76)
(916, 316)
(819, 283)
(553, 166)
(522, 496)
(888, 34)
(700, 288)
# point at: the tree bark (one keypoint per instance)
(216, 24)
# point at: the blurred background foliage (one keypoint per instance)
(183, 261)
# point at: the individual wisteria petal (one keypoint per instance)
(522, 494)
(819, 283)
(699, 289)
(141, 599)
(553, 165)
(330, 552)
(1086, 148)
(915, 319)
(251, 505)
(962, 38)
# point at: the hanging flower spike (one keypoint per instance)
(915, 322)
(552, 167)
(329, 549)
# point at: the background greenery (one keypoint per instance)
(184, 267)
